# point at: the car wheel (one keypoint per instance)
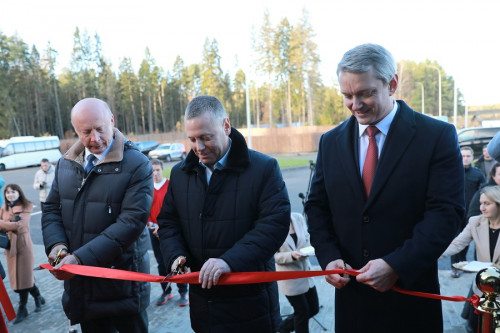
(2, 167)
(183, 156)
(168, 158)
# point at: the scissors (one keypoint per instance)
(54, 263)
(58, 258)
(178, 270)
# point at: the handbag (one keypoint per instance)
(4, 241)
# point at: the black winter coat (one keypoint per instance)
(474, 178)
(102, 220)
(475, 205)
(242, 217)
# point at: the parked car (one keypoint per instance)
(146, 146)
(476, 138)
(169, 151)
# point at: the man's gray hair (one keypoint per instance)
(203, 103)
(364, 57)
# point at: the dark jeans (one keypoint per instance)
(155, 243)
(460, 256)
(305, 306)
(124, 324)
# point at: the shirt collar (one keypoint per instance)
(221, 164)
(102, 155)
(383, 125)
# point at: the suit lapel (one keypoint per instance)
(401, 133)
(348, 154)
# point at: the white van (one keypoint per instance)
(23, 151)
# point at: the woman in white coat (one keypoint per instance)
(301, 293)
(484, 229)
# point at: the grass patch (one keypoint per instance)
(166, 172)
(292, 162)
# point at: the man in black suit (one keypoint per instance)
(387, 198)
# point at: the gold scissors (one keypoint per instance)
(178, 270)
(58, 258)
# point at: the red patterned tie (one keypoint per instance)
(371, 159)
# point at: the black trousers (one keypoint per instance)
(305, 306)
(155, 243)
(123, 324)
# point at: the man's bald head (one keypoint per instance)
(93, 122)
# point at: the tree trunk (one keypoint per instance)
(59, 127)
(288, 104)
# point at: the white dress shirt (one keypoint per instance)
(383, 127)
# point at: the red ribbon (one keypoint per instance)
(234, 278)
(6, 303)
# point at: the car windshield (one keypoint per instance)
(164, 147)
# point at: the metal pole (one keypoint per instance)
(466, 116)
(423, 98)
(455, 97)
(249, 119)
(439, 88)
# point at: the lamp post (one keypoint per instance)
(439, 87)
(423, 103)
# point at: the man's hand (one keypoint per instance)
(182, 262)
(68, 259)
(55, 251)
(297, 255)
(211, 272)
(378, 275)
(337, 280)
(155, 231)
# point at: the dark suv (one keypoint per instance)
(476, 138)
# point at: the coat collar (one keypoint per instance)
(115, 154)
(237, 160)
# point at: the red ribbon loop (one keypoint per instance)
(235, 278)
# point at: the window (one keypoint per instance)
(40, 145)
(29, 146)
(19, 148)
(8, 150)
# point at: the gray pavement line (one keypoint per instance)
(36, 213)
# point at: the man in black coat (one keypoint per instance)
(392, 216)
(226, 210)
(95, 215)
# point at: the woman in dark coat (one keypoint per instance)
(494, 179)
(15, 220)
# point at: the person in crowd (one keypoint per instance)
(386, 179)
(473, 180)
(43, 180)
(301, 293)
(494, 179)
(15, 216)
(485, 162)
(226, 210)
(483, 230)
(2, 184)
(96, 215)
(493, 147)
(161, 185)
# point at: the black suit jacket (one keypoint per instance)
(414, 210)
